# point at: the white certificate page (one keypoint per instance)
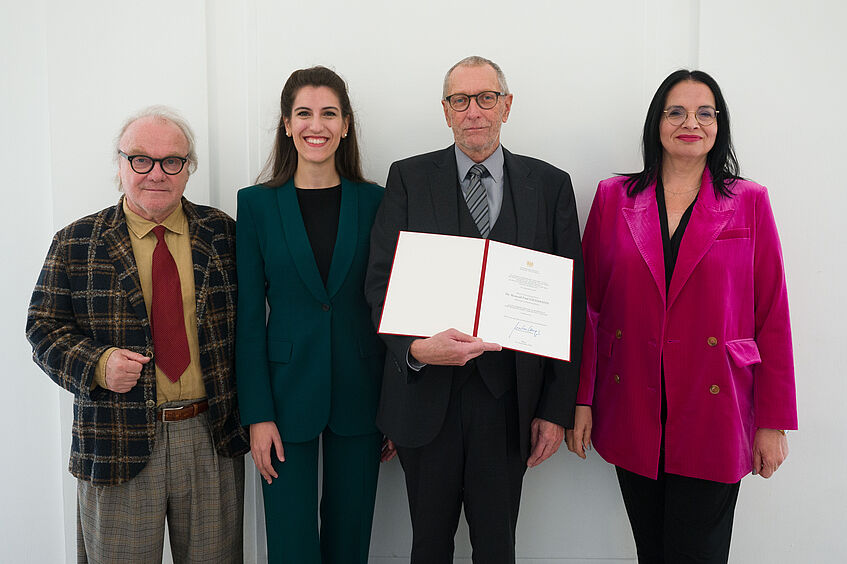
(434, 285)
(526, 301)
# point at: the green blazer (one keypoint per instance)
(312, 358)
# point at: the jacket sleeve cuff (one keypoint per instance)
(412, 362)
(100, 370)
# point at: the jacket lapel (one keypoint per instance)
(643, 222)
(524, 198)
(116, 238)
(708, 219)
(298, 241)
(202, 252)
(345, 241)
(443, 183)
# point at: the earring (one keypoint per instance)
(343, 135)
(288, 134)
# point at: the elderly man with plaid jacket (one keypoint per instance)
(134, 313)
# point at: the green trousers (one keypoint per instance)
(350, 471)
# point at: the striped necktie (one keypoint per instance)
(477, 200)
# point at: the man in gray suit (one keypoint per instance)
(468, 418)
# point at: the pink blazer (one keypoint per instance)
(722, 330)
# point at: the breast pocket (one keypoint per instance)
(734, 233)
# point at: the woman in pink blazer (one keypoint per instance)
(687, 380)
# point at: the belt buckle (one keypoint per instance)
(167, 409)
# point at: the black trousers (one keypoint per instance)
(475, 460)
(679, 520)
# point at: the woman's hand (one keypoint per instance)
(388, 450)
(262, 436)
(579, 438)
(770, 449)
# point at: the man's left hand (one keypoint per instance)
(545, 438)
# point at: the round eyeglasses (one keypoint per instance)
(142, 164)
(485, 100)
(705, 115)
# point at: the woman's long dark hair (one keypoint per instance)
(721, 160)
(282, 161)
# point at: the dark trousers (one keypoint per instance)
(350, 470)
(475, 460)
(679, 520)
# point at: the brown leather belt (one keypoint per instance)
(171, 414)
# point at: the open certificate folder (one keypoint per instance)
(515, 297)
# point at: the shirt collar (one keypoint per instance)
(140, 227)
(494, 163)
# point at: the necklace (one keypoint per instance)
(682, 192)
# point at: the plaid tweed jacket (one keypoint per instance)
(88, 298)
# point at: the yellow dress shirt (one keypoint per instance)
(190, 384)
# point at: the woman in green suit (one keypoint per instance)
(309, 366)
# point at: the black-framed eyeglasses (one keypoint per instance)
(142, 164)
(485, 100)
(705, 115)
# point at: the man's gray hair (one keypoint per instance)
(475, 61)
(162, 113)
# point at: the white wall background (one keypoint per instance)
(582, 73)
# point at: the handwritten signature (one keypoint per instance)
(525, 328)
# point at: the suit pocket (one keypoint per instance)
(605, 341)
(736, 233)
(279, 351)
(744, 352)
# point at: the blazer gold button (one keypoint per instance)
(150, 403)
(617, 378)
(714, 389)
(618, 334)
(713, 341)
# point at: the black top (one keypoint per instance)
(320, 209)
(670, 246)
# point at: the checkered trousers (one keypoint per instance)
(200, 492)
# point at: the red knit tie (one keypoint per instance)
(170, 343)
